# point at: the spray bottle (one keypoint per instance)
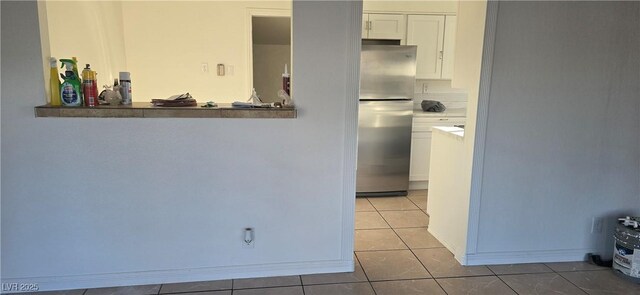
(70, 93)
(254, 97)
(89, 87)
(75, 67)
(54, 83)
(286, 81)
(125, 87)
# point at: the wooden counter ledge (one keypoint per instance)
(147, 110)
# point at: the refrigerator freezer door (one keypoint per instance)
(384, 147)
(387, 72)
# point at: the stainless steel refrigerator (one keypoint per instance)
(387, 82)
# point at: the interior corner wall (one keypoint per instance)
(452, 226)
(199, 32)
(563, 131)
(124, 201)
(268, 65)
(92, 31)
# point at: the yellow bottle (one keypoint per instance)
(54, 83)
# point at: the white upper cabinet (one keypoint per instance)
(427, 32)
(435, 36)
(365, 26)
(449, 44)
(384, 26)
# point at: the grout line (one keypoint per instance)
(572, 283)
(462, 277)
(301, 284)
(425, 267)
(363, 270)
(499, 278)
(411, 250)
(414, 254)
(523, 273)
(372, 288)
(360, 263)
(252, 288)
(416, 204)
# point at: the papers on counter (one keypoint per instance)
(241, 104)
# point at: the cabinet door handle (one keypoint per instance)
(444, 119)
(441, 54)
(370, 26)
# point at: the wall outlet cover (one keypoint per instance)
(596, 225)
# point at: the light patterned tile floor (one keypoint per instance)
(395, 254)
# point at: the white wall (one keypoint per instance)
(447, 201)
(100, 202)
(447, 211)
(168, 41)
(563, 130)
(92, 31)
(268, 66)
(148, 39)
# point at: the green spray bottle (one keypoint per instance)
(70, 90)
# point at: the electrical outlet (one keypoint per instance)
(424, 87)
(596, 225)
(205, 67)
(248, 238)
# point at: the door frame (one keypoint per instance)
(251, 12)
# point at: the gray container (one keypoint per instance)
(626, 250)
(125, 87)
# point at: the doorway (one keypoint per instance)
(270, 53)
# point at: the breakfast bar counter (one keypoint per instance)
(147, 110)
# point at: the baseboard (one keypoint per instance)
(460, 257)
(417, 185)
(182, 275)
(527, 256)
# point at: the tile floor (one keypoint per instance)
(395, 254)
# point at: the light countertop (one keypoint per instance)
(450, 131)
(453, 112)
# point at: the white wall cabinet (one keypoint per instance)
(449, 45)
(384, 26)
(434, 35)
(421, 144)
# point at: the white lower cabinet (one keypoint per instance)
(421, 144)
(420, 150)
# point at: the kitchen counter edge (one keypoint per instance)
(147, 110)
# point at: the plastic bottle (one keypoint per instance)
(70, 92)
(75, 66)
(286, 81)
(54, 83)
(254, 97)
(89, 87)
(75, 71)
(125, 87)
